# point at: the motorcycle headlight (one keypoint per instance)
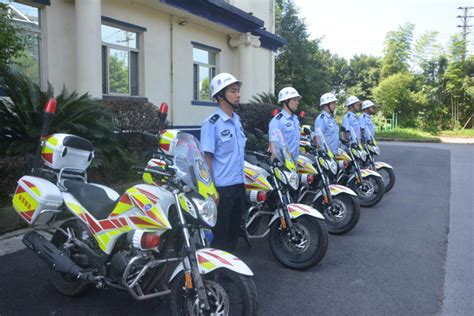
(293, 179)
(376, 150)
(363, 155)
(333, 166)
(207, 211)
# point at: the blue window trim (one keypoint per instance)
(204, 46)
(122, 24)
(106, 97)
(204, 103)
(42, 2)
(219, 12)
(269, 40)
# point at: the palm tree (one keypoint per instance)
(21, 118)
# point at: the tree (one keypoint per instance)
(363, 75)
(12, 43)
(118, 75)
(394, 95)
(300, 63)
(397, 50)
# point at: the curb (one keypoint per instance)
(412, 140)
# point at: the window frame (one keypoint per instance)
(196, 92)
(38, 33)
(139, 31)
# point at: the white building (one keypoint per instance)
(161, 50)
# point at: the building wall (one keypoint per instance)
(166, 56)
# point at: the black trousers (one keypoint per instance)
(229, 216)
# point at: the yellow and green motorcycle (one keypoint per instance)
(297, 233)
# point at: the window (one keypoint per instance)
(27, 18)
(204, 68)
(120, 50)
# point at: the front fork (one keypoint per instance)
(285, 220)
(192, 276)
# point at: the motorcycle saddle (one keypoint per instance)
(93, 198)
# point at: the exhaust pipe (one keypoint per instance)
(51, 254)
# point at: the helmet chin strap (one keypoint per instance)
(287, 103)
(222, 95)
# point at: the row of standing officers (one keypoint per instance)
(223, 144)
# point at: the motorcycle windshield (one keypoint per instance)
(279, 149)
(191, 166)
(354, 139)
(320, 142)
(369, 137)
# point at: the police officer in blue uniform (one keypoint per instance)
(366, 124)
(287, 121)
(326, 121)
(223, 144)
(351, 119)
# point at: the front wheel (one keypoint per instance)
(388, 176)
(342, 216)
(305, 248)
(229, 293)
(370, 191)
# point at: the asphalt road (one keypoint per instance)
(392, 263)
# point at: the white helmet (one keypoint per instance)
(288, 93)
(327, 98)
(221, 81)
(351, 100)
(367, 104)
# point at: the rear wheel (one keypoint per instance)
(64, 282)
(303, 249)
(343, 216)
(229, 293)
(370, 191)
(388, 176)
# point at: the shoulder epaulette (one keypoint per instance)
(279, 116)
(214, 118)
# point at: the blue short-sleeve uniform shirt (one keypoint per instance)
(223, 136)
(289, 125)
(349, 120)
(328, 126)
(366, 124)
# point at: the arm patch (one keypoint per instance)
(214, 118)
(279, 116)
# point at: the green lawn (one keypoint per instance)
(458, 133)
(407, 134)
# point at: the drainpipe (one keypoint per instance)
(171, 112)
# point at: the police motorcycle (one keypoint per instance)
(128, 242)
(366, 183)
(297, 233)
(372, 149)
(339, 204)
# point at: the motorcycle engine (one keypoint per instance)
(119, 263)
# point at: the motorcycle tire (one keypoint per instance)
(389, 174)
(63, 282)
(339, 224)
(375, 197)
(219, 284)
(306, 254)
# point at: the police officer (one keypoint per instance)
(326, 121)
(287, 121)
(351, 119)
(366, 124)
(223, 143)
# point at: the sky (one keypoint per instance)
(351, 27)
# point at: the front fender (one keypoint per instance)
(337, 189)
(296, 210)
(380, 165)
(367, 173)
(210, 259)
